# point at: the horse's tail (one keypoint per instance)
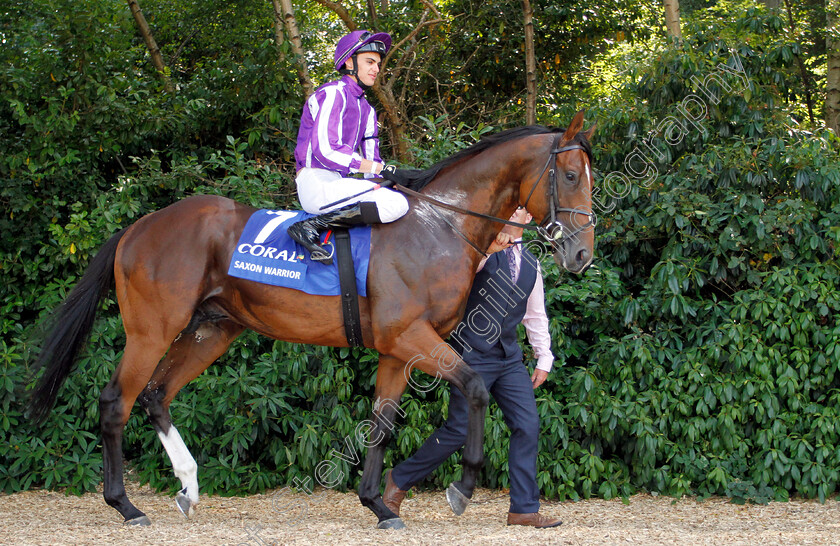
(72, 321)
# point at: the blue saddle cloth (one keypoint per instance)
(266, 254)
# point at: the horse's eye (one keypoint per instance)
(571, 177)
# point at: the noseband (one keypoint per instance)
(551, 229)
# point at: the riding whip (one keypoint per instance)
(390, 176)
(349, 197)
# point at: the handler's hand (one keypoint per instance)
(538, 377)
(501, 242)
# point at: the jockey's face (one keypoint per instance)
(368, 66)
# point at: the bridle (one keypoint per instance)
(550, 229)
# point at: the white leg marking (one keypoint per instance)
(182, 461)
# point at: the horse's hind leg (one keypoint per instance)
(140, 357)
(189, 355)
(152, 318)
(390, 385)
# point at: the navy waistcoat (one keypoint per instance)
(487, 333)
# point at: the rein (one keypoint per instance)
(448, 222)
(552, 230)
(456, 208)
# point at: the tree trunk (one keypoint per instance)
(151, 44)
(672, 18)
(832, 46)
(297, 46)
(530, 65)
(385, 94)
(772, 4)
(279, 36)
(372, 13)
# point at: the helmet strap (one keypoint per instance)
(355, 73)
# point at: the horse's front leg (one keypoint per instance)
(459, 493)
(435, 357)
(390, 385)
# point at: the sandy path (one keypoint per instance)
(52, 518)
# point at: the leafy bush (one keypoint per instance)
(701, 349)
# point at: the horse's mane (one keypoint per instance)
(418, 179)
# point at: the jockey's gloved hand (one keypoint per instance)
(393, 175)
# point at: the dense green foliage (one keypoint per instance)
(698, 356)
(709, 330)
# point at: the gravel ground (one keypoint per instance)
(280, 517)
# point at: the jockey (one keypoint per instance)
(338, 137)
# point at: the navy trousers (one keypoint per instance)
(510, 385)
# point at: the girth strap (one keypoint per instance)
(349, 294)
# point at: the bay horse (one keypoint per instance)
(181, 310)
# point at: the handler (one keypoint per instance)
(339, 136)
(499, 362)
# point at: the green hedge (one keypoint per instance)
(702, 350)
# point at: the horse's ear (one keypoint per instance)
(589, 132)
(574, 127)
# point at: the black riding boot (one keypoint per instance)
(307, 232)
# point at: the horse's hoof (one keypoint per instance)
(393, 523)
(457, 500)
(182, 501)
(142, 521)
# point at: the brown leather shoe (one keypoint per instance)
(393, 495)
(532, 520)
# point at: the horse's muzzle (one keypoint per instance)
(576, 259)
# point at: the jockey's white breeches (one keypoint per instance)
(319, 187)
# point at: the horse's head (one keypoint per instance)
(561, 198)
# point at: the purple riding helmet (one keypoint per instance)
(360, 41)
